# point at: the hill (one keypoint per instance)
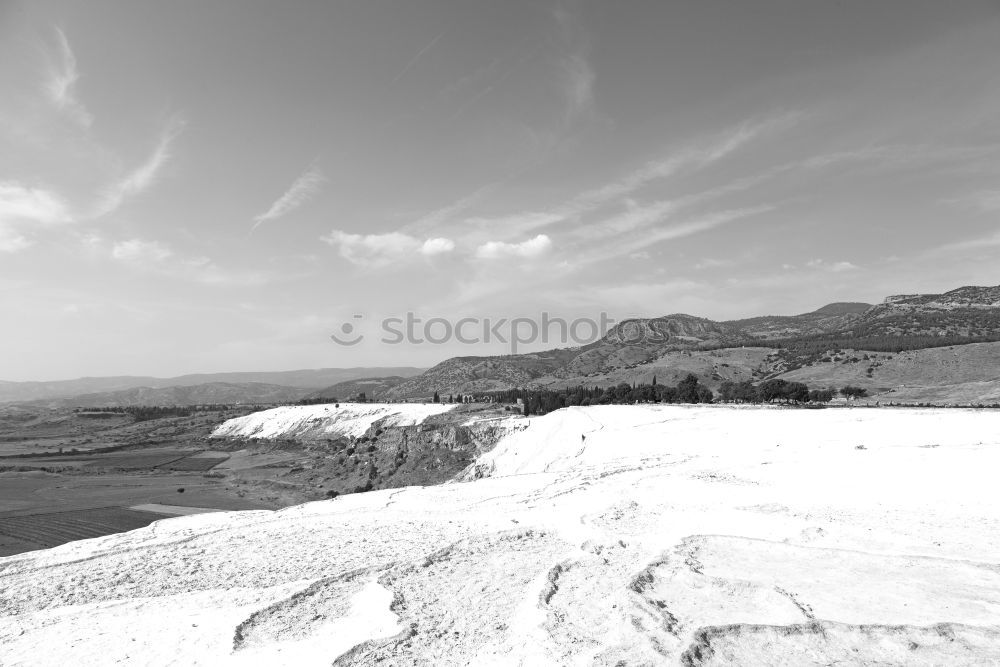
(966, 374)
(372, 388)
(303, 379)
(212, 393)
(752, 348)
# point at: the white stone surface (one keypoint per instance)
(602, 535)
(327, 420)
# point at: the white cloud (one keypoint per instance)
(377, 250)
(143, 177)
(437, 246)
(22, 206)
(842, 266)
(986, 201)
(11, 241)
(835, 267)
(304, 188)
(61, 84)
(695, 156)
(579, 84)
(712, 263)
(531, 248)
(989, 241)
(23, 203)
(160, 259)
(138, 251)
(615, 248)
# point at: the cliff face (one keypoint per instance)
(963, 297)
(970, 312)
(357, 447)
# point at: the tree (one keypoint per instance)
(854, 392)
(821, 395)
(772, 389)
(796, 391)
(687, 389)
(437, 397)
(666, 394)
(727, 391)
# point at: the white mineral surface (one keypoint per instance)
(607, 535)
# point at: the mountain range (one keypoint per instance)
(747, 349)
(112, 390)
(840, 343)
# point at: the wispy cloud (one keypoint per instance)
(696, 157)
(445, 213)
(158, 258)
(27, 207)
(529, 249)
(576, 74)
(415, 59)
(20, 203)
(381, 250)
(142, 177)
(988, 241)
(304, 188)
(579, 85)
(138, 251)
(61, 83)
(11, 241)
(698, 225)
(833, 267)
(692, 157)
(985, 201)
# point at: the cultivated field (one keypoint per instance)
(49, 529)
(604, 535)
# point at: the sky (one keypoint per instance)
(198, 186)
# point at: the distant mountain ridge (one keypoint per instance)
(964, 315)
(209, 393)
(311, 379)
(634, 350)
(372, 388)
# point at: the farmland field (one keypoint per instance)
(197, 463)
(50, 529)
(138, 460)
(40, 509)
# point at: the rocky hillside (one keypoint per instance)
(964, 312)
(372, 388)
(461, 375)
(828, 319)
(671, 345)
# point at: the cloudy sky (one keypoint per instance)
(207, 186)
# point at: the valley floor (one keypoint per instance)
(604, 535)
